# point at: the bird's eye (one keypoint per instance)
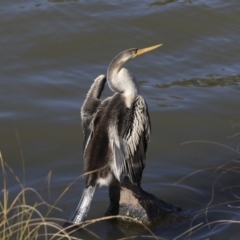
(134, 52)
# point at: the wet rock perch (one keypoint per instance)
(132, 201)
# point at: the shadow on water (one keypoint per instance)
(61, 1)
(211, 80)
(166, 2)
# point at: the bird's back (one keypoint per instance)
(118, 139)
(98, 153)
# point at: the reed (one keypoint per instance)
(22, 220)
(227, 210)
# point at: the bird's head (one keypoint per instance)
(131, 53)
(119, 83)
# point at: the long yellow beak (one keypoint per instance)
(144, 50)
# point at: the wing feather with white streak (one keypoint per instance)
(129, 142)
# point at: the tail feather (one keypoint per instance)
(83, 205)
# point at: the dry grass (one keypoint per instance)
(20, 220)
(222, 209)
(23, 221)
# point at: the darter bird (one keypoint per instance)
(116, 131)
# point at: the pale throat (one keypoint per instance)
(129, 97)
(121, 81)
(128, 86)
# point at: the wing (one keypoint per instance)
(90, 105)
(137, 135)
(129, 142)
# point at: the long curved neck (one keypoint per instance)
(112, 73)
(120, 80)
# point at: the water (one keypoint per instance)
(52, 50)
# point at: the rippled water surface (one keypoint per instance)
(50, 53)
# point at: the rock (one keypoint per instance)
(129, 200)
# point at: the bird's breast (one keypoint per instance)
(129, 97)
